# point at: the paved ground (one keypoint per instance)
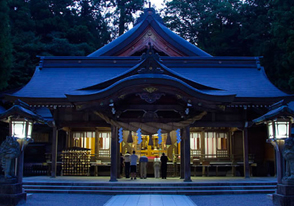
(40, 199)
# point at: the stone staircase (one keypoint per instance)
(117, 188)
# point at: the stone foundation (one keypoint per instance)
(284, 195)
(11, 194)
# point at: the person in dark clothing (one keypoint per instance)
(127, 164)
(121, 164)
(163, 160)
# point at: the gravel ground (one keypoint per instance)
(41, 199)
(233, 200)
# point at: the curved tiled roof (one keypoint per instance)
(239, 76)
(56, 80)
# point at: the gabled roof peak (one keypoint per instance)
(149, 14)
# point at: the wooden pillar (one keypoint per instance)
(114, 159)
(54, 152)
(68, 138)
(96, 144)
(245, 153)
(118, 159)
(20, 165)
(187, 155)
(182, 171)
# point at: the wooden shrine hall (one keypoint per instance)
(151, 91)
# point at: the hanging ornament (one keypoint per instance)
(139, 136)
(120, 135)
(130, 138)
(150, 140)
(178, 136)
(159, 136)
(168, 139)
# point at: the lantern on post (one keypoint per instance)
(279, 130)
(279, 121)
(21, 128)
(21, 119)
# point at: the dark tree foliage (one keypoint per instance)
(213, 25)
(281, 69)
(240, 28)
(5, 45)
(53, 28)
(124, 11)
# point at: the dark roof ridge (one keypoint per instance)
(149, 12)
(154, 61)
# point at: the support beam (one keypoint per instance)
(187, 164)
(114, 159)
(54, 152)
(20, 163)
(182, 171)
(118, 158)
(96, 144)
(245, 153)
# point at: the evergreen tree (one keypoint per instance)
(53, 28)
(213, 25)
(125, 11)
(5, 45)
(282, 44)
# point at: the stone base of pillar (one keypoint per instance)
(11, 194)
(284, 195)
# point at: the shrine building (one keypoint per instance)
(152, 92)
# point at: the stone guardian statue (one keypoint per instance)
(288, 154)
(9, 150)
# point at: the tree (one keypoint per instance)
(282, 44)
(53, 28)
(243, 28)
(5, 45)
(125, 11)
(211, 24)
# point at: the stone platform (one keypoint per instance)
(284, 195)
(11, 194)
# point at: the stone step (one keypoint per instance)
(151, 188)
(148, 187)
(149, 183)
(175, 191)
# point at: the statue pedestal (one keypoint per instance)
(11, 194)
(285, 194)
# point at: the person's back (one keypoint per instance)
(143, 166)
(163, 160)
(127, 164)
(156, 165)
(143, 159)
(134, 159)
(127, 157)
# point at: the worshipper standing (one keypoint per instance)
(143, 166)
(134, 159)
(163, 160)
(121, 164)
(127, 164)
(156, 166)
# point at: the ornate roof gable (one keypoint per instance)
(149, 29)
(150, 71)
